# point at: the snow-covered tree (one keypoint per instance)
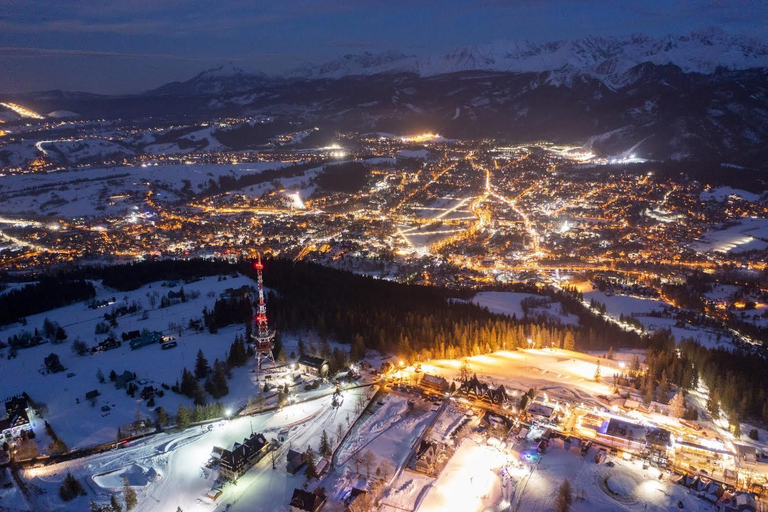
(677, 404)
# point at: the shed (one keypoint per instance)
(313, 365)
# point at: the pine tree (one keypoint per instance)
(188, 383)
(114, 504)
(569, 342)
(610, 353)
(663, 386)
(649, 388)
(597, 372)
(70, 488)
(182, 417)
(735, 425)
(162, 416)
(309, 457)
(220, 378)
(713, 404)
(677, 405)
(100, 376)
(201, 365)
(325, 445)
(130, 495)
(564, 497)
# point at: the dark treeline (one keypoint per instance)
(710, 173)
(227, 311)
(415, 321)
(134, 275)
(347, 177)
(49, 293)
(737, 378)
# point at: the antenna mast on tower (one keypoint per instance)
(264, 338)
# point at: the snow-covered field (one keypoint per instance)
(508, 303)
(720, 194)
(559, 373)
(750, 233)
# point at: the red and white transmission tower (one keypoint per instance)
(264, 339)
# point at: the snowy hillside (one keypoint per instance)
(74, 419)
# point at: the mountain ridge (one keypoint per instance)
(605, 58)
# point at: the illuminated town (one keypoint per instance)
(514, 277)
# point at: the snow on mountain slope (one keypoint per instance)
(606, 58)
(364, 64)
(225, 78)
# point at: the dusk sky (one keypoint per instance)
(132, 45)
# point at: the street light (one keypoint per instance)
(228, 412)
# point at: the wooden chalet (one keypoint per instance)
(235, 462)
(305, 501)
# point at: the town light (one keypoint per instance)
(228, 412)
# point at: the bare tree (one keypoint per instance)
(385, 470)
(368, 459)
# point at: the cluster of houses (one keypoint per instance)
(478, 390)
(714, 492)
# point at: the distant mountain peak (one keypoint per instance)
(605, 58)
(225, 69)
(226, 78)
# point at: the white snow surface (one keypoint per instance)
(749, 233)
(722, 193)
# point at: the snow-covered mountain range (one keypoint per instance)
(605, 58)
